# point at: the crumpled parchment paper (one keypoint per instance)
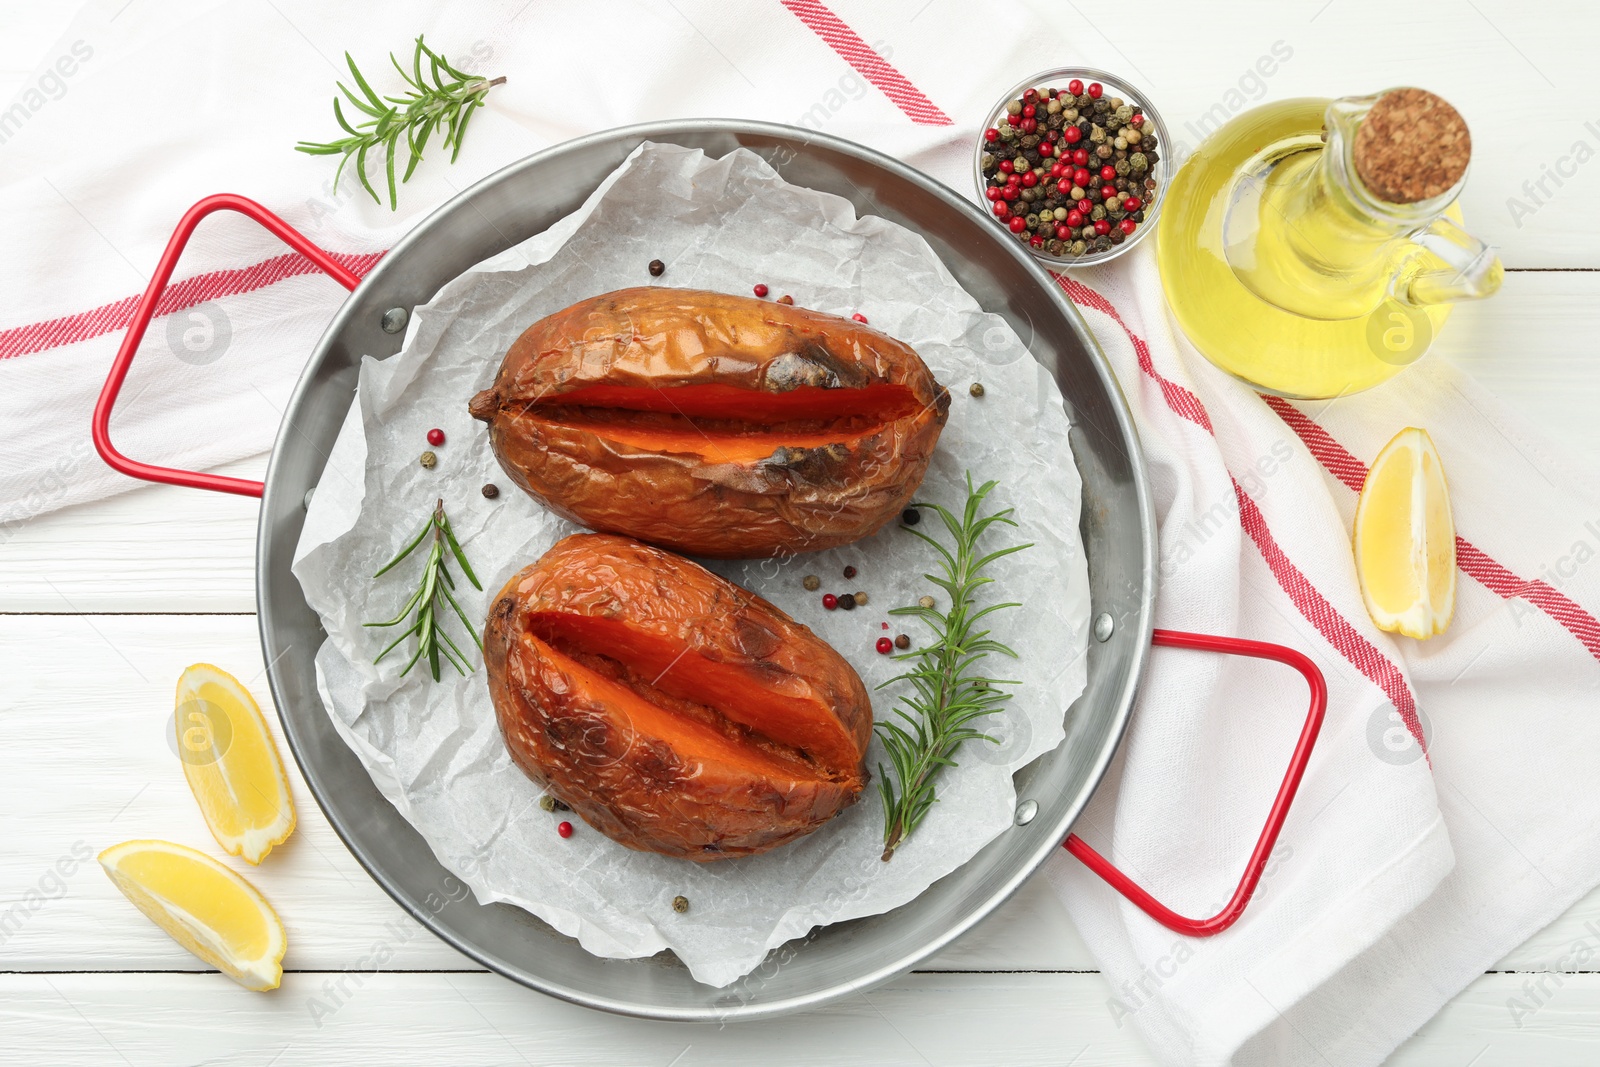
(434, 749)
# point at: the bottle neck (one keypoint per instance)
(1306, 234)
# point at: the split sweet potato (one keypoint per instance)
(714, 425)
(672, 710)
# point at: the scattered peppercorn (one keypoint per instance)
(911, 516)
(785, 299)
(902, 641)
(830, 601)
(564, 829)
(847, 601)
(976, 389)
(490, 491)
(547, 802)
(436, 437)
(1058, 162)
(859, 317)
(428, 460)
(811, 582)
(884, 646)
(849, 572)
(925, 602)
(657, 268)
(860, 599)
(761, 289)
(680, 904)
(883, 626)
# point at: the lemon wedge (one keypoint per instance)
(232, 763)
(204, 906)
(1405, 539)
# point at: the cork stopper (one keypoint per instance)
(1411, 146)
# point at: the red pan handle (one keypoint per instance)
(1225, 918)
(101, 426)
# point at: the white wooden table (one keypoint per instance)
(102, 605)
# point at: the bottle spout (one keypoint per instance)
(1472, 271)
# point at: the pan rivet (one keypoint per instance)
(1026, 811)
(1103, 626)
(307, 499)
(394, 320)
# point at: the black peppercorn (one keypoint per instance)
(849, 572)
(490, 491)
(911, 516)
(847, 601)
(657, 268)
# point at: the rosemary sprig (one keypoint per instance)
(431, 597)
(443, 97)
(948, 694)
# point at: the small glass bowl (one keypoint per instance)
(1114, 87)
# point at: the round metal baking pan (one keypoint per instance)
(1117, 526)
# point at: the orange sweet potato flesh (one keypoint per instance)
(670, 709)
(715, 425)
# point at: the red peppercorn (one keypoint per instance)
(1102, 227)
(1045, 151)
(992, 193)
(885, 646)
(1064, 186)
(1057, 169)
(1095, 89)
(1072, 135)
(564, 829)
(1018, 224)
(761, 289)
(1013, 179)
(1127, 226)
(883, 626)
(1080, 156)
(1000, 209)
(1030, 179)
(1030, 125)
(1006, 166)
(991, 134)
(1074, 220)
(1036, 241)
(1108, 191)
(1011, 191)
(1133, 203)
(1080, 177)
(859, 317)
(1108, 172)
(1028, 110)
(1137, 120)
(436, 437)
(830, 601)
(1075, 87)
(1030, 96)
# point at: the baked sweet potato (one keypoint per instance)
(714, 425)
(672, 710)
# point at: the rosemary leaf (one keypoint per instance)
(948, 694)
(411, 117)
(432, 639)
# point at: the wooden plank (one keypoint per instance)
(162, 548)
(918, 1021)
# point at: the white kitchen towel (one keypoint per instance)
(1448, 811)
(1398, 876)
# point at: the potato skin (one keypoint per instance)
(836, 487)
(672, 777)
